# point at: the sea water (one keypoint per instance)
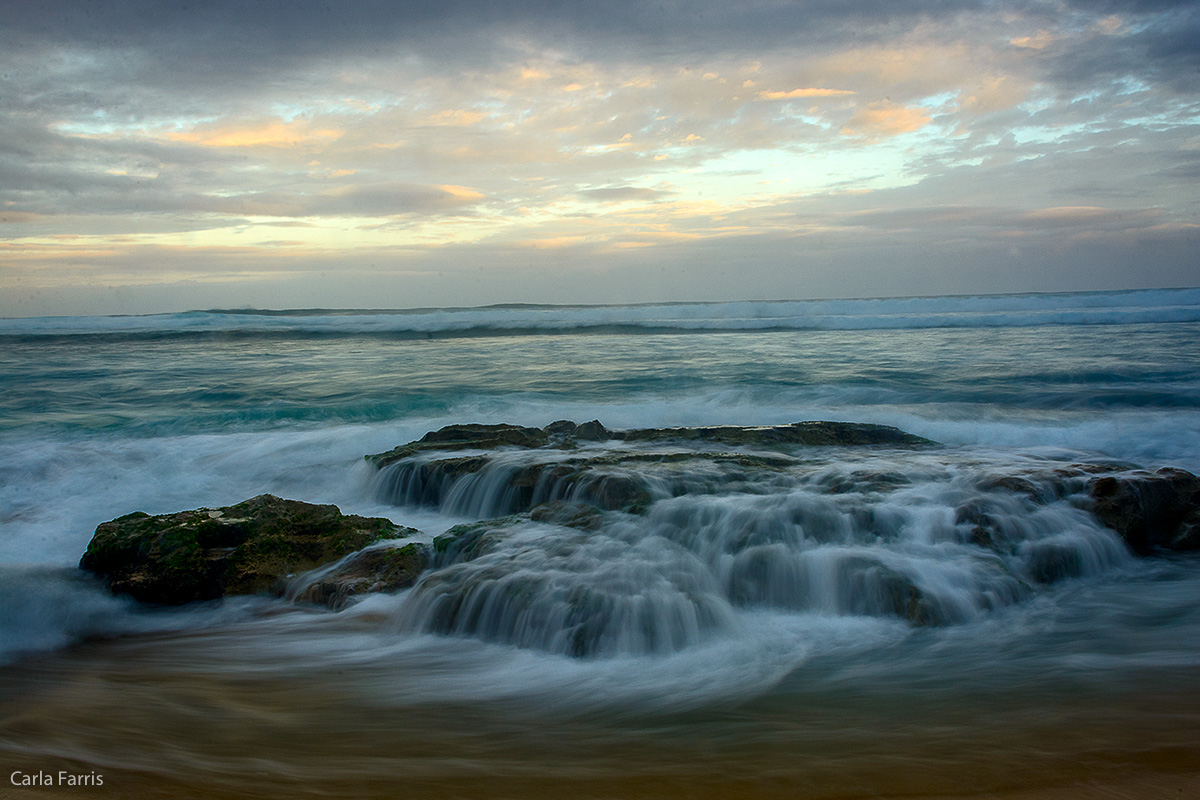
(732, 654)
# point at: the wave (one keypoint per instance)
(960, 311)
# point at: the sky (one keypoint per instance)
(166, 156)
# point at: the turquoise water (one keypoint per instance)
(103, 416)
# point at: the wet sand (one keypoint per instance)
(164, 728)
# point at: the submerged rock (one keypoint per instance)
(1151, 511)
(381, 568)
(207, 553)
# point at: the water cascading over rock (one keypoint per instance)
(594, 543)
(687, 528)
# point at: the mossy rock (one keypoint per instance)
(208, 553)
(468, 541)
(375, 569)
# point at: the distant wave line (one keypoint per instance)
(977, 311)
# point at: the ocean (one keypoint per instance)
(734, 657)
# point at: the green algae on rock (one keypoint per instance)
(525, 467)
(566, 434)
(377, 568)
(207, 553)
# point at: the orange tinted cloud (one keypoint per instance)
(461, 192)
(271, 134)
(457, 118)
(810, 92)
(1039, 41)
(885, 119)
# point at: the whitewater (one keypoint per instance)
(742, 642)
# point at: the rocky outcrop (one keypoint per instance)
(559, 501)
(521, 468)
(380, 568)
(808, 434)
(208, 553)
(464, 437)
(469, 540)
(1151, 511)
(566, 434)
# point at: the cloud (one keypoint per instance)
(624, 194)
(637, 132)
(1039, 41)
(883, 119)
(800, 93)
(274, 133)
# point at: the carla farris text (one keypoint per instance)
(61, 778)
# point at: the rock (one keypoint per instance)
(873, 588)
(592, 432)
(1152, 512)
(1017, 484)
(810, 434)
(563, 432)
(463, 437)
(208, 553)
(1050, 562)
(612, 479)
(986, 529)
(561, 428)
(569, 515)
(375, 569)
(471, 540)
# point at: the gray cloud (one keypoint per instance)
(997, 147)
(621, 194)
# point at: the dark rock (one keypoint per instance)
(570, 515)
(614, 493)
(592, 432)
(561, 427)
(861, 481)
(1050, 562)
(1017, 485)
(519, 488)
(591, 477)
(422, 483)
(812, 434)
(375, 569)
(471, 540)
(463, 437)
(1151, 511)
(563, 433)
(241, 549)
(986, 530)
(873, 588)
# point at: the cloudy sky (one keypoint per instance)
(162, 156)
